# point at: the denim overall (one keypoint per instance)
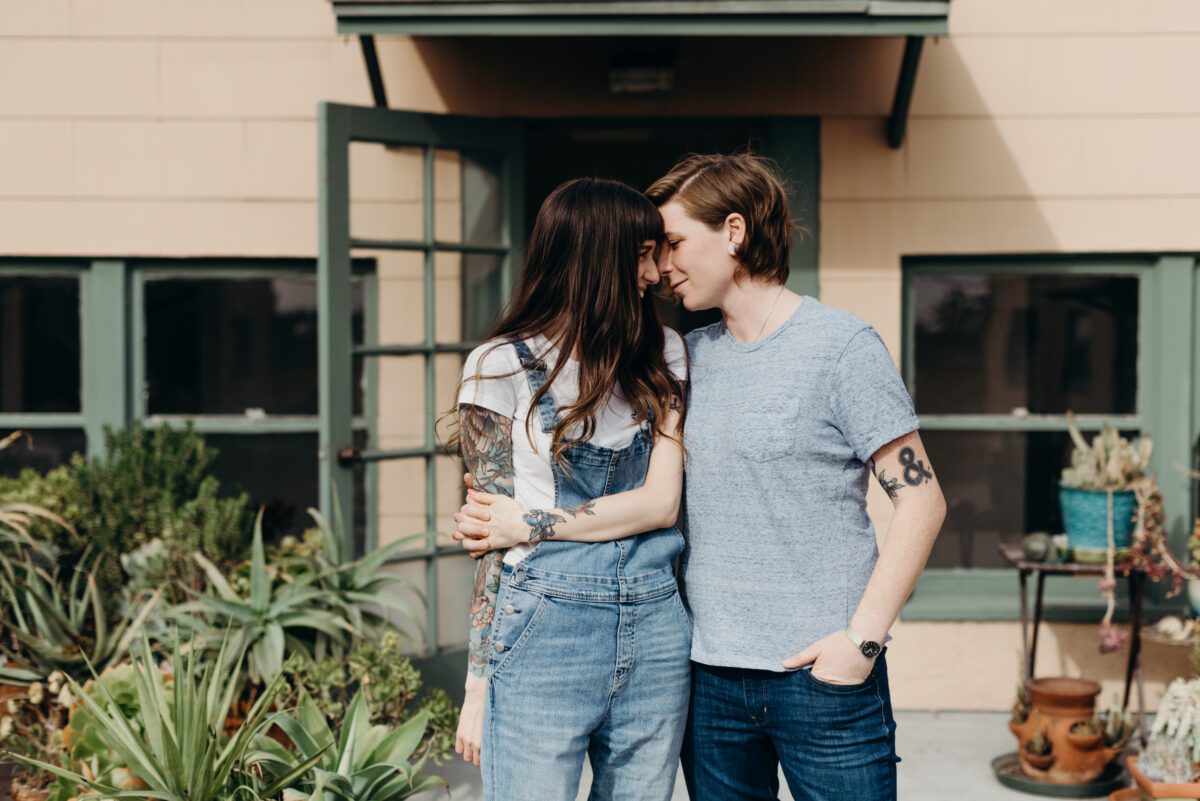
(590, 647)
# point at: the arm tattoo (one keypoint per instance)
(890, 485)
(487, 454)
(915, 471)
(578, 509)
(541, 524)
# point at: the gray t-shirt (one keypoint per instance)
(778, 434)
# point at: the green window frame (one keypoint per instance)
(91, 407)
(1167, 406)
(113, 353)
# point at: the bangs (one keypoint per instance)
(647, 221)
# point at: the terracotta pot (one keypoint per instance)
(1153, 789)
(1058, 704)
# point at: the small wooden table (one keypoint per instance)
(1015, 556)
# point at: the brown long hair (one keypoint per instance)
(579, 290)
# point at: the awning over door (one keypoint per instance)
(644, 17)
(912, 19)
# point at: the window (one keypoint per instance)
(40, 376)
(996, 352)
(233, 347)
(228, 345)
(998, 357)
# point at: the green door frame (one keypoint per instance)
(338, 127)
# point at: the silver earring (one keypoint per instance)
(732, 249)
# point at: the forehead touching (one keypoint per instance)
(676, 219)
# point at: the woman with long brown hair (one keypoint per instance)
(579, 641)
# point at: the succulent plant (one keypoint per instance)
(1110, 462)
(1021, 707)
(1038, 744)
(365, 762)
(1173, 753)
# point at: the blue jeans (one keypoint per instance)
(591, 669)
(835, 743)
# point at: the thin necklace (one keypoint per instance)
(764, 325)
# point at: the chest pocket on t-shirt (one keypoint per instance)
(763, 427)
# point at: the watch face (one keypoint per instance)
(871, 649)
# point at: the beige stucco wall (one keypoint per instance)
(180, 128)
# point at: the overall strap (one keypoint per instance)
(535, 372)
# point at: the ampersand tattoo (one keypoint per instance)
(915, 472)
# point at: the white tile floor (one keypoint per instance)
(944, 757)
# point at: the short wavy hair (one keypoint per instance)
(712, 186)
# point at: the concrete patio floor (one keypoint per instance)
(945, 756)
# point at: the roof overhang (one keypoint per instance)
(644, 17)
(911, 19)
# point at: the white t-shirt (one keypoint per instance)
(533, 482)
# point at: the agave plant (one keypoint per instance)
(59, 625)
(287, 614)
(361, 763)
(364, 591)
(175, 747)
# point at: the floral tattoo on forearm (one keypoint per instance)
(487, 453)
(541, 524)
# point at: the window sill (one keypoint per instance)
(993, 595)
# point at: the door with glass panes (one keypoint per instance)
(434, 202)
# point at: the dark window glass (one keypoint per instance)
(279, 472)
(993, 344)
(237, 345)
(999, 486)
(39, 344)
(41, 448)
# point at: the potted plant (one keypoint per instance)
(1096, 493)
(1060, 738)
(1169, 767)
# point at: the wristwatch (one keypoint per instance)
(868, 648)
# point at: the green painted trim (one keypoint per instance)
(795, 144)
(104, 297)
(39, 269)
(994, 595)
(421, 246)
(232, 424)
(415, 350)
(34, 421)
(430, 307)
(642, 8)
(1134, 264)
(667, 25)
(371, 406)
(1169, 360)
(1033, 422)
(139, 387)
(334, 341)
